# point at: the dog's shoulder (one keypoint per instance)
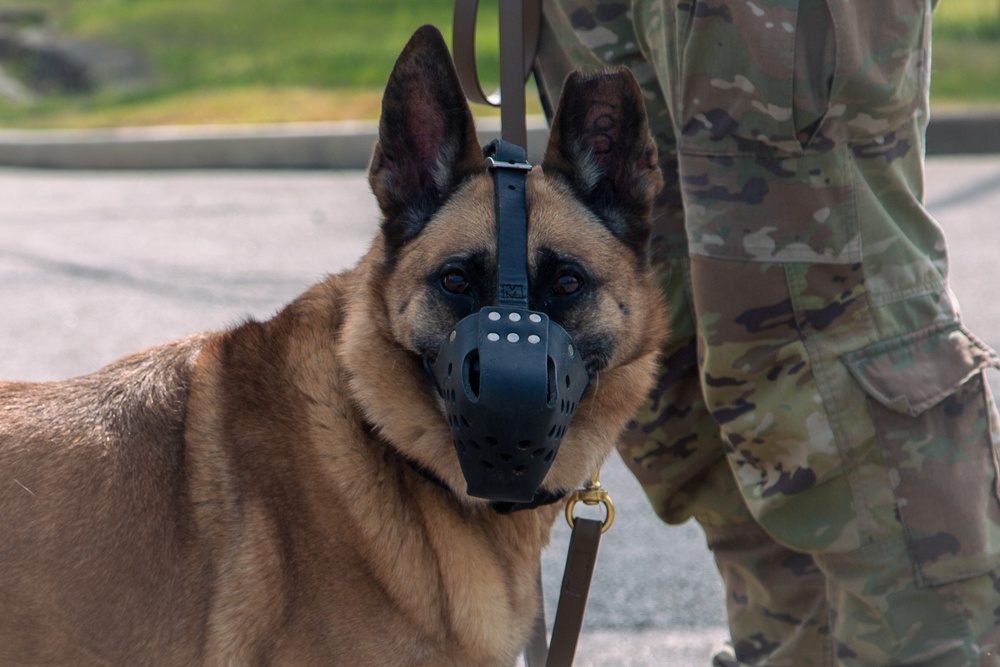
(255, 385)
(308, 327)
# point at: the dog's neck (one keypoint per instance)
(542, 497)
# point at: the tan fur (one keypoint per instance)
(241, 498)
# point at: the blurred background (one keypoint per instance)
(106, 63)
(97, 264)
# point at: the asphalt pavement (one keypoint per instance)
(97, 264)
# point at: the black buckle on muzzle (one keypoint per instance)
(511, 378)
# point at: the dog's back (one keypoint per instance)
(73, 456)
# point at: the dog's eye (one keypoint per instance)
(455, 282)
(567, 284)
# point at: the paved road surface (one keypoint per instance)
(94, 265)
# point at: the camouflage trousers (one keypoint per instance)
(821, 410)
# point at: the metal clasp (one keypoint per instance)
(493, 164)
(592, 494)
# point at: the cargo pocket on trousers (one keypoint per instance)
(937, 424)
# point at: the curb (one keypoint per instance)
(341, 145)
(963, 134)
(294, 146)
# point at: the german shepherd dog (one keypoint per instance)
(287, 492)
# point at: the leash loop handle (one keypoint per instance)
(464, 46)
(520, 22)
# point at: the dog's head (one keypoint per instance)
(435, 262)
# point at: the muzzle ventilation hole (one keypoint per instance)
(551, 382)
(470, 373)
(556, 431)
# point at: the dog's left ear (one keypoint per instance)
(600, 145)
(427, 142)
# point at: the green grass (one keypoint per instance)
(238, 61)
(977, 20)
(966, 54)
(200, 43)
(302, 60)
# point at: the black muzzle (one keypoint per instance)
(510, 377)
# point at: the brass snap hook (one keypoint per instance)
(592, 494)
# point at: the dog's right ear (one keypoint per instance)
(427, 142)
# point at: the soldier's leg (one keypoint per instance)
(776, 599)
(846, 179)
(777, 612)
(850, 398)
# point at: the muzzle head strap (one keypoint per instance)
(509, 166)
(510, 378)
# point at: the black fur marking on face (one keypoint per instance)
(574, 312)
(547, 285)
(597, 348)
(408, 221)
(479, 278)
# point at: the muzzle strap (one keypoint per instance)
(509, 166)
(501, 507)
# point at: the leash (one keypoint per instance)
(575, 588)
(520, 21)
(581, 557)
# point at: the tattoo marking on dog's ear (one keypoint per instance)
(601, 147)
(427, 144)
(600, 133)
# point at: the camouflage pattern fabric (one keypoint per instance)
(821, 411)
